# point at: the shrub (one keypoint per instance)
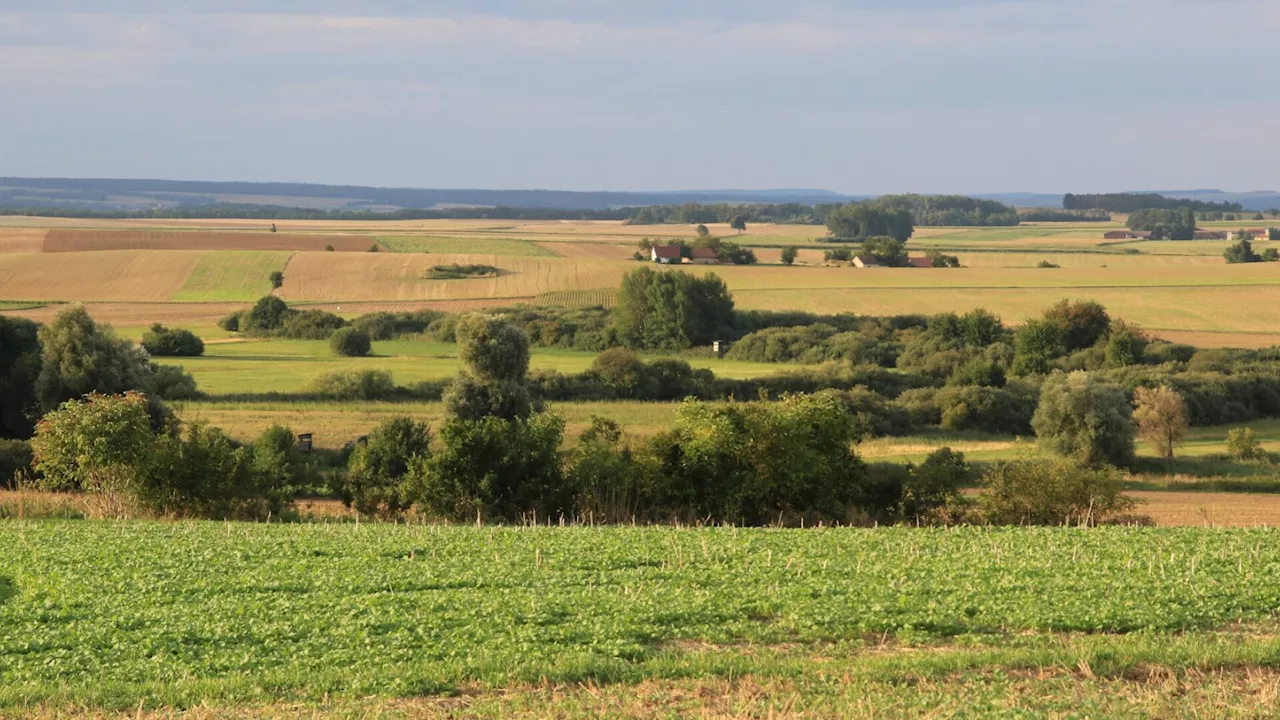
(161, 341)
(350, 342)
(309, 325)
(789, 254)
(931, 492)
(460, 272)
(621, 371)
(1242, 445)
(1045, 264)
(993, 410)
(1084, 419)
(353, 385)
(1161, 416)
(173, 383)
(1083, 322)
(606, 478)
(101, 444)
(199, 473)
(15, 461)
(1127, 345)
(1052, 492)
(375, 248)
(231, 323)
(499, 469)
(328, 248)
(265, 317)
(278, 467)
(382, 471)
(79, 357)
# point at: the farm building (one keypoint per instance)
(865, 261)
(665, 254)
(1127, 235)
(920, 262)
(1210, 235)
(704, 256)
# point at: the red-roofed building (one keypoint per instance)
(920, 262)
(865, 261)
(665, 254)
(704, 256)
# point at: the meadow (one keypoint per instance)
(138, 615)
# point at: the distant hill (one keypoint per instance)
(117, 194)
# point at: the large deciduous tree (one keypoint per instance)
(1162, 418)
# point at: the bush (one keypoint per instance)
(460, 272)
(931, 492)
(1052, 492)
(174, 383)
(608, 482)
(102, 444)
(789, 254)
(350, 342)
(353, 385)
(79, 357)
(993, 410)
(231, 323)
(1046, 265)
(1242, 445)
(200, 473)
(279, 468)
(277, 279)
(15, 461)
(309, 325)
(1086, 420)
(161, 341)
(382, 472)
(498, 469)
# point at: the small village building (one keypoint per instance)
(865, 261)
(920, 262)
(665, 254)
(1116, 235)
(704, 256)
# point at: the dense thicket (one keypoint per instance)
(1172, 224)
(858, 221)
(1066, 216)
(1132, 202)
(927, 210)
(671, 310)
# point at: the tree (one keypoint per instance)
(1242, 445)
(789, 254)
(161, 341)
(1084, 419)
(1036, 345)
(1126, 345)
(1241, 252)
(886, 250)
(702, 232)
(19, 368)
(671, 310)
(1083, 323)
(78, 357)
(494, 378)
(266, 316)
(940, 260)
(860, 220)
(1270, 255)
(739, 223)
(99, 444)
(350, 342)
(277, 279)
(273, 227)
(1052, 492)
(381, 472)
(1162, 418)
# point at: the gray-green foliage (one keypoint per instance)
(350, 342)
(80, 357)
(494, 378)
(1052, 492)
(1086, 420)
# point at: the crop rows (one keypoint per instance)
(105, 612)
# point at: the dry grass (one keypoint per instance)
(1193, 509)
(140, 314)
(398, 277)
(137, 276)
(21, 240)
(63, 241)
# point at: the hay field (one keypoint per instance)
(1197, 310)
(21, 240)
(1013, 259)
(325, 277)
(461, 246)
(137, 275)
(236, 276)
(65, 241)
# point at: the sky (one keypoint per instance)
(861, 97)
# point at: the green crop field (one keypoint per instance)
(260, 366)
(130, 615)
(578, 298)
(231, 276)
(462, 245)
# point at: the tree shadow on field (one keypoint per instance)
(7, 589)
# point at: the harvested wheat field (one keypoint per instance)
(323, 277)
(136, 275)
(21, 240)
(64, 241)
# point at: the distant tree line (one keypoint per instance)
(1066, 216)
(1174, 224)
(1132, 202)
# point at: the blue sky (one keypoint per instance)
(859, 97)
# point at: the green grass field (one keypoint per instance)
(130, 615)
(231, 276)
(261, 366)
(462, 246)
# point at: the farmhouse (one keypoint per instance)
(1127, 235)
(665, 254)
(704, 256)
(920, 262)
(865, 261)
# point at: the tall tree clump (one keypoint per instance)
(79, 357)
(19, 368)
(672, 310)
(1085, 420)
(498, 457)
(858, 221)
(1162, 417)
